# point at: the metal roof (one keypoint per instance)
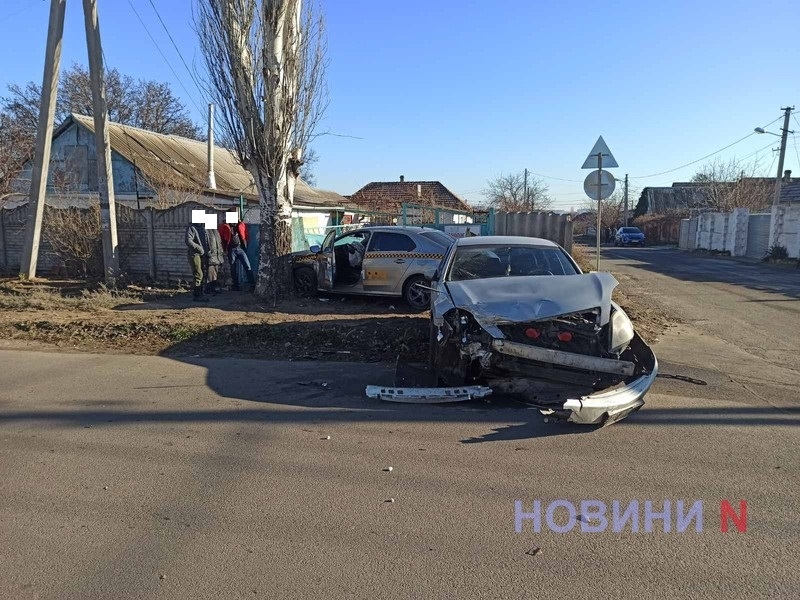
(184, 163)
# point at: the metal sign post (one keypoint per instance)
(605, 185)
(599, 205)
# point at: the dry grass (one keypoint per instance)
(581, 257)
(19, 297)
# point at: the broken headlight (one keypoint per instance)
(621, 331)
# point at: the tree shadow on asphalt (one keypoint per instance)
(702, 268)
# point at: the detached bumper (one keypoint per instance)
(612, 405)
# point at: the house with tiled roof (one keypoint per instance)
(389, 196)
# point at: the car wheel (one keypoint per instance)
(417, 298)
(305, 281)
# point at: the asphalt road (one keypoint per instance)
(151, 477)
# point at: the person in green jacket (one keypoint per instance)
(197, 248)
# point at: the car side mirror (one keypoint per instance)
(315, 249)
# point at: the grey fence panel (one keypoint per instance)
(550, 226)
(758, 235)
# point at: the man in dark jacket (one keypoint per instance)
(197, 246)
(216, 257)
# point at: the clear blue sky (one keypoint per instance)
(459, 91)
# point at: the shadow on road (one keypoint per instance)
(701, 268)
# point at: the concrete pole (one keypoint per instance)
(105, 176)
(212, 181)
(599, 204)
(788, 111)
(44, 138)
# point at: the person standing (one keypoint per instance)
(237, 254)
(196, 247)
(216, 257)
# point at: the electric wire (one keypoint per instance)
(704, 157)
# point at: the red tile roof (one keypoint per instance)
(388, 196)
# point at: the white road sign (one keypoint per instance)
(607, 185)
(609, 162)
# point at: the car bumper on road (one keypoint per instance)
(609, 406)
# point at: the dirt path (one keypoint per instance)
(68, 314)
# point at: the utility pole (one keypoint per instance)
(625, 220)
(525, 188)
(44, 136)
(787, 111)
(105, 176)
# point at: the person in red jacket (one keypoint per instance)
(234, 238)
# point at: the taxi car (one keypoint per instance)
(375, 261)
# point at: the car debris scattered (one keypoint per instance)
(516, 315)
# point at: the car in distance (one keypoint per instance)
(518, 315)
(375, 261)
(629, 236)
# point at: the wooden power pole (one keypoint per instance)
(44, 137)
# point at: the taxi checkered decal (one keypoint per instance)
(410, 255)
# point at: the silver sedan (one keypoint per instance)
(517, 314)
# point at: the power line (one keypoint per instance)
(704, 157)
(152, 39)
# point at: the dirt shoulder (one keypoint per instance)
(140, 320)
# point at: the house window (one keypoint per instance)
(383, 241)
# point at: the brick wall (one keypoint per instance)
(151, 242)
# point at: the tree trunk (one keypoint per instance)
(274, 278)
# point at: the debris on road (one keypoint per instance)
(388, 469)
(427, 395)
(535, 551)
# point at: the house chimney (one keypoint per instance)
(419, 190)
(212, 181)
(787, 175)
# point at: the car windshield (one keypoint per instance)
(630, 230)
(485, 262)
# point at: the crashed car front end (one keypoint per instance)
(559, 342)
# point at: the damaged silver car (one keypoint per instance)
(518, 315)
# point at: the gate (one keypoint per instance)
(758, 235)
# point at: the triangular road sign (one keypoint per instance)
(609, 162)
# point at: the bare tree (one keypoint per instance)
(734, 184)
(307, 172)
(611, 210)
(508, 192)
(266, 63)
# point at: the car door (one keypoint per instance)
(326, 263)
(389, 254)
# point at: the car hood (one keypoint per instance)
(636, 235)
(525, 299)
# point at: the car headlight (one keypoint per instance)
(621, 331)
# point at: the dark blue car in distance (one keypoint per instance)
(627, 236)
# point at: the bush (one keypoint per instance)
(777, 252)
(74, 236)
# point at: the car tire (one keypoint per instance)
(418, 300)
(305, 281)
